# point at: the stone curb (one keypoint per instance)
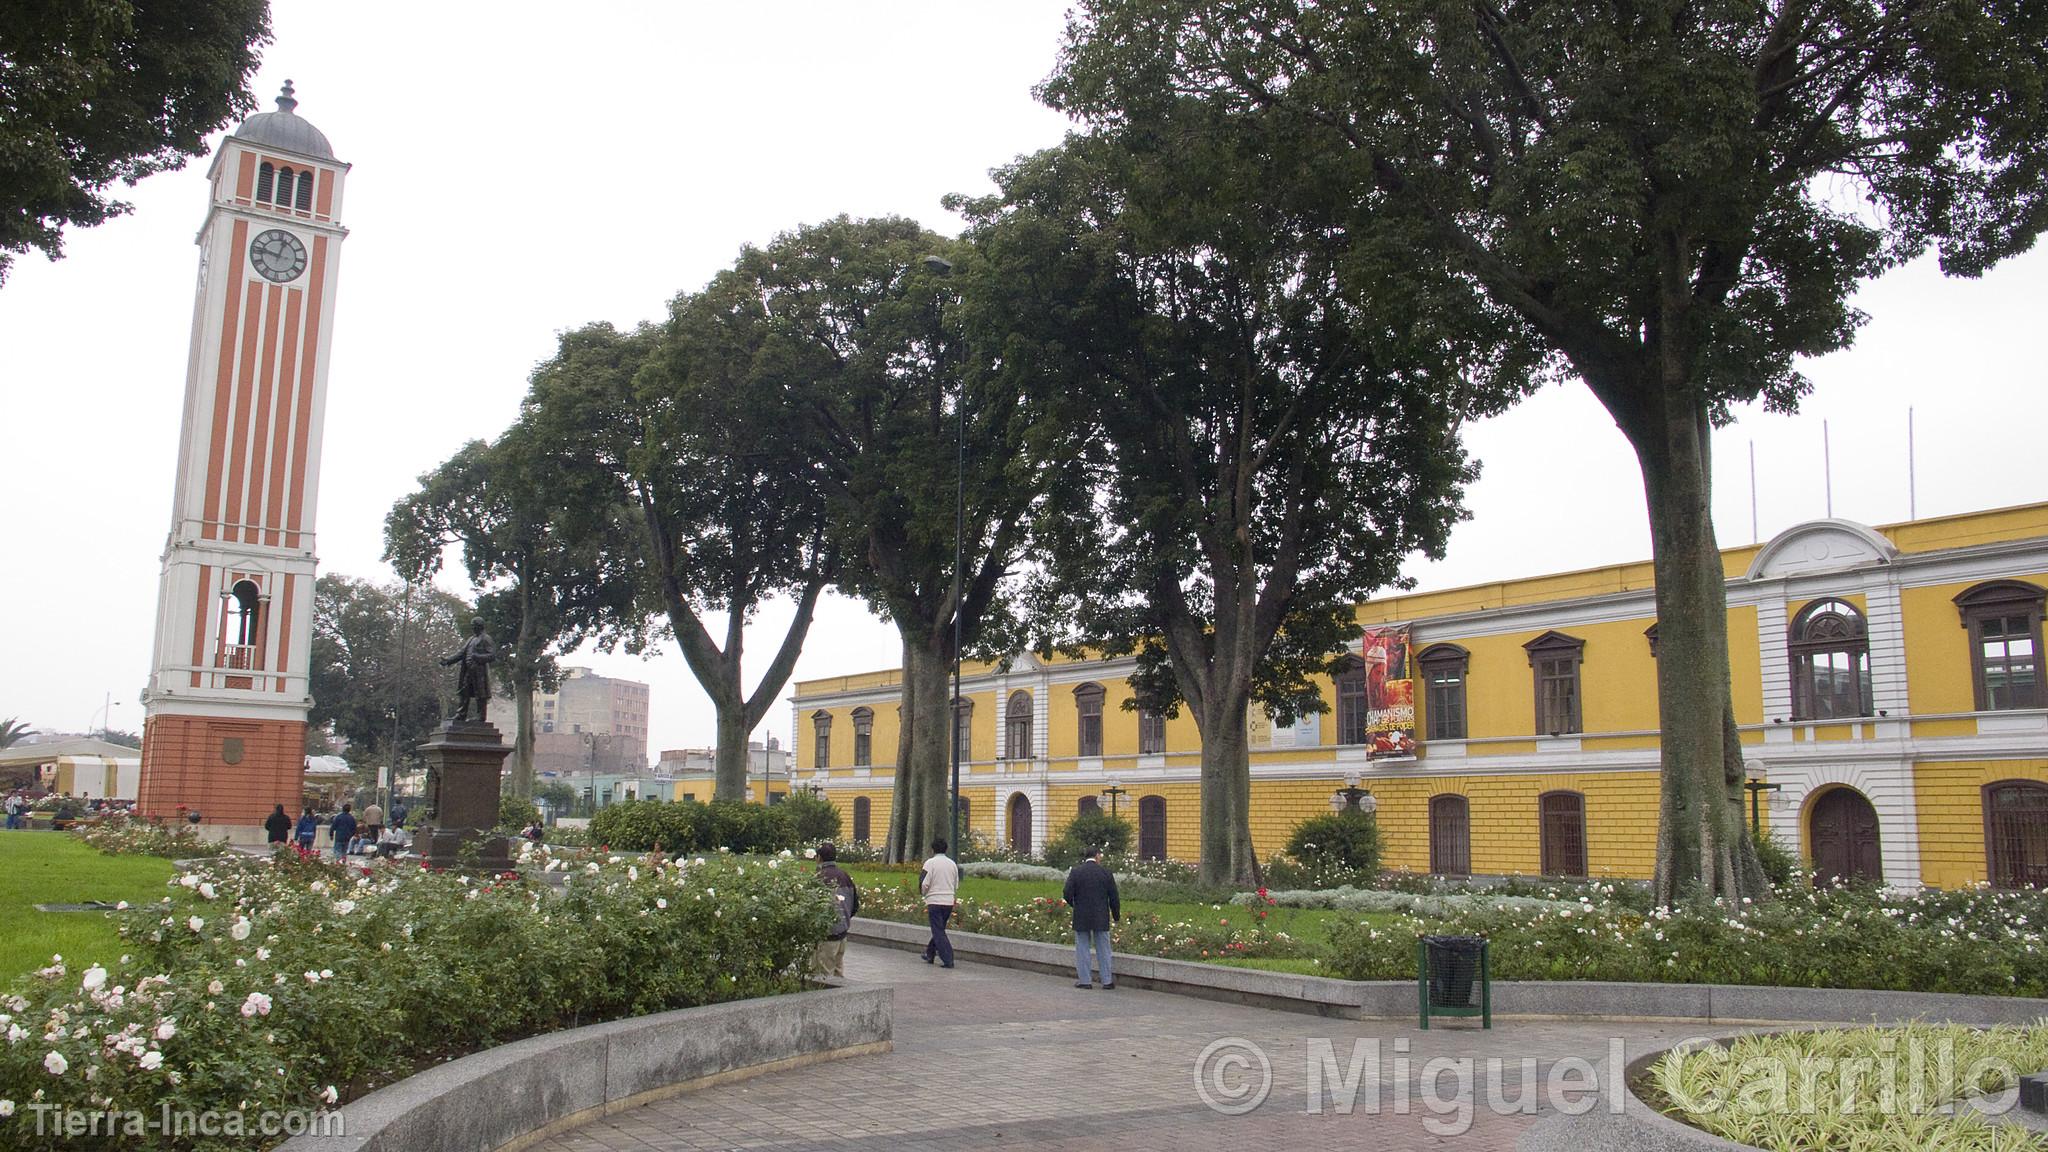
(1525, 999)
(516, 1095)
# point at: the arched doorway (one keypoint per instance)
(1152, 827)
(1842, 828)
(1020, 824)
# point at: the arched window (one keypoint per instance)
(1088, 709)
(1017, 727)
(821, 730)
(2016, 833)
(1443, 677)
(303, 199)
(1151, 732)
(246, 628)
(283, 195)
(862, 811)
(1352, 715)
(863, 737)
(1088, 805)
(963, 730)
(1020, 824)
(1830, 654)
(2004, 621)
(1554, 658)
(1450, 835)
(266, 178)
(1152, 827)
(1561, 826)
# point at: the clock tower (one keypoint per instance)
(225, 728)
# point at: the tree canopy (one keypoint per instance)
(95, 92)
(1674, 199)
(374, 648)
(1262, 444)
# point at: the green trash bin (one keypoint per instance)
(1454, 977)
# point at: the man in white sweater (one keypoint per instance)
(940, 885)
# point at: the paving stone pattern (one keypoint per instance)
(996, 1058)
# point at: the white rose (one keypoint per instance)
(263, 953)
(166, 1030)
(206, 890)
(195, 923)
(215, 988)
(95, 978)
(240, 929)
(330, 1095)
(151, 1061)
(6, 1107)
(660, 902)
(256, 1005)
(55, 1063)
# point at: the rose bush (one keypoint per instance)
(1969, 941)
(290, 983)
(120, 834)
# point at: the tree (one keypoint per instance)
(13, 731)
(98, 91)
(361, 671)
(865, 343)
(1267, 442)
(118, 736)
(541, 546)
(1676, 199)
(722, 517)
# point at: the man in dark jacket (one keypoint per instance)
(341, 830)
(1091, 893)
(831, 952)
(277, 825)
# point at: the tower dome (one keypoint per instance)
(286, 129)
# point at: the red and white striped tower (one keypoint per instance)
(228, 691)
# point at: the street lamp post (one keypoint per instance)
(106, 715)
(940, 266)
(1114, 791)
(1352, 798)
(1756, 786)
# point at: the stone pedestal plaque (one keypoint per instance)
(464, 758)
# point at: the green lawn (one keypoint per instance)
(1310, 925)
(53, 868)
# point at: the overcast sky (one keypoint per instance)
(527, 168)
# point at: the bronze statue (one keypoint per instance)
(473, 679)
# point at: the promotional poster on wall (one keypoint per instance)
(1389, 693)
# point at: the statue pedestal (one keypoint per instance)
(464, 759)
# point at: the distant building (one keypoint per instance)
(590, 724)
(688, 771)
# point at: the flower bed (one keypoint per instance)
(1837, 1090)
(120, 834)
(1973, 941)
(1050, 921)
(1377, 900)
(281, 983)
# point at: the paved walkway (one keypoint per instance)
(996, 1058)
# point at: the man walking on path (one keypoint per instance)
(940, 886)
(830, 958)
(1091, 893)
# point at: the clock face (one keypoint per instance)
(277, 256)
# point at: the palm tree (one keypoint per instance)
(13, 731)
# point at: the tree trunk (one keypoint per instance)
(919, 812)
(1701, 847)
(522, 740)
(729, 759)
(1228, 858)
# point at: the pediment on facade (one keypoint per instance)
(1821, 546)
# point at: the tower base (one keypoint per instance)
(229, 771)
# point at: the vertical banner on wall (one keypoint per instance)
(1389, 693)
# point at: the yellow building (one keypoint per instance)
(1887, 685)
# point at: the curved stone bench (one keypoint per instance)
(518, 1094)
(1527, 999)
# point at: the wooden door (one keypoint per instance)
(1020, 824)
(1843, 829)
(1152, 827)
(1562, 817)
